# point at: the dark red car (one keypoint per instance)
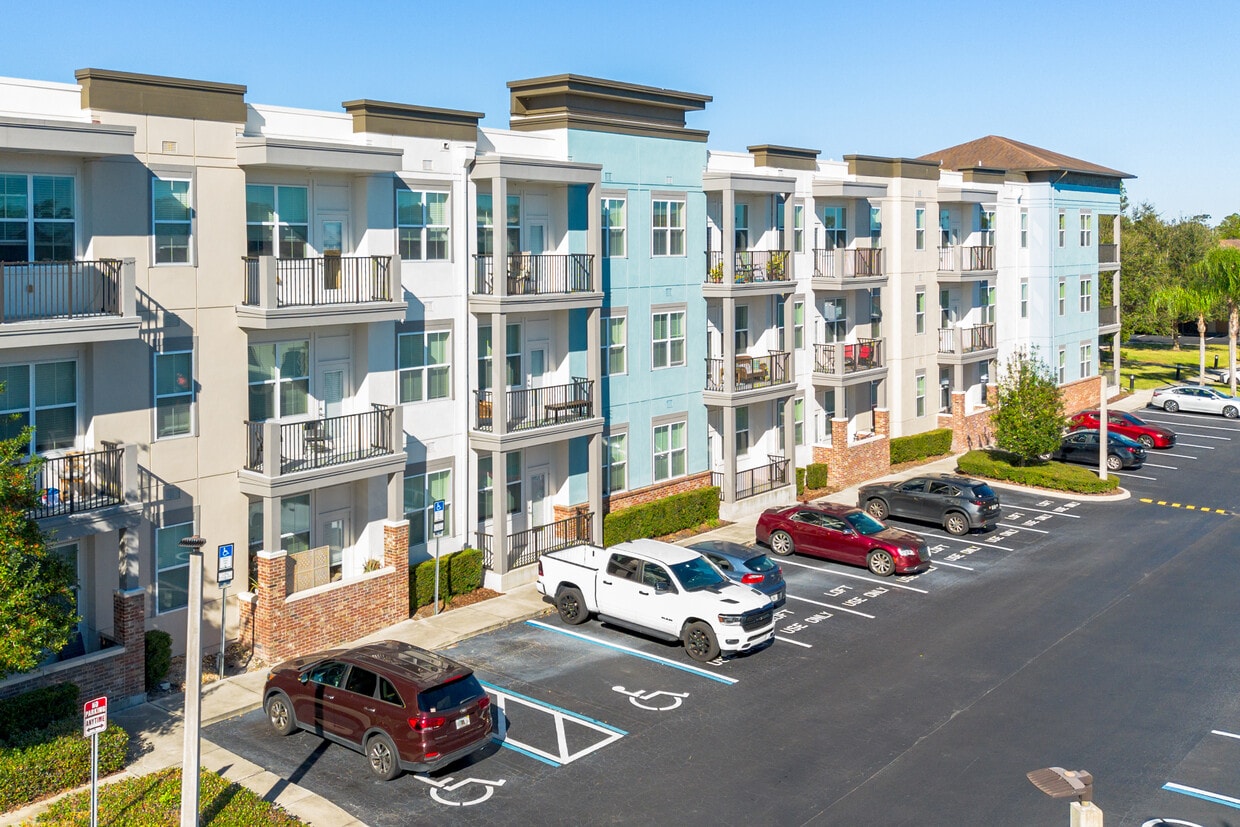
(403, 707)
(842, 533)
(1126, 424)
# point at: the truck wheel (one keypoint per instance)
(572, 606)
(700, 642)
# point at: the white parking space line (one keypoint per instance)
(1041, 511)
(1168, 467)
(794, 642)
(1023, 528)
(684, 667)
(1191, 445)
(1180, 456)
(1205, 795)
(856, 576)
(953, 565)
(1196, 424)
(829, 606)
(966, 541)
(1135, 476)
(1224, 734)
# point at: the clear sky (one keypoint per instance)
(1143, 87)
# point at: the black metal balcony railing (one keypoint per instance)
(1108, 253)
(754, 481)
(312, 282)
(48, 290)
(320, 443)
(860, 263)
(749, 266)
(961, 340)
(751, 372)
(525, 547)
(79, 481)
(1108, 314)
(842, 358)
(536, 275)
(535, 407)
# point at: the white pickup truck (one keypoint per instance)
(661, 590)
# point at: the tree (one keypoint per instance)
(1229, 227)
(1195, 299)
(1157, 254)
(36, 598)
(1029, 419)
(1221, 272)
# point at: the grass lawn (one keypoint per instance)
(156, 800)
(1153, 365)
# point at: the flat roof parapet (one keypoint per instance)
(577, 102)
(785, 157)
(407, 120)
(111, 91)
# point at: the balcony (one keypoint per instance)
(1108, 318)
(967, 344)
(525, 547)
(293, 457)
(962, 263)
(749, 372)
(753, 272)
(284, 293)
(754, 481)
(67, 302)
(1108, 256)
(847, 363)
(533, 408)
(845, 269)
(546, 281)
(80, 481)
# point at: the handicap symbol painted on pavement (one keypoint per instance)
(451, 785)
(637, 696)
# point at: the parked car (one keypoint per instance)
(954, 502)
(403, 707)
(1222, 375)
(746, 564)
(1133, 427)
(1082, 445)
(845, 534)
(1195, 398)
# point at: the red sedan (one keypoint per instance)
(842, 533)
(1125, 424)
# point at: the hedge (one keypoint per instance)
(800, 481)
(37, 709)
(919, 446)
(663, 516)
(816, 475)
(39, 763)
(998, 465)
(158, 657)
(465, 571)
(459, 572)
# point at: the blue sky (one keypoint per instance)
(1141, 87)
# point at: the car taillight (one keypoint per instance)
(540, 574)
(425, 722)
(751, 578)
(484, 701)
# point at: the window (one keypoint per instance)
(669, 451)
(986, 301)
(174, 393)
(486, 485)
(615, 345)
(614, 227)
(876, 226)
(835, 319)
(44, 396)
(945, 309)
(987, 227)
(668, 228)
(616, 453)
(835, 227)
(798, 228)
(422, 225)
(741, 328)
(1063, 297)
(1024, 298)
(279, 380)
(1087, 360)
(742, 430)
(421, 492)
(1024, 229)
(37, 218)
(919, 309)
(1087, 294)
(798, 324)
(1062, 371)
(945, 390)
(919, 222)
(921, 393)
(668, 339)
(424, 365)
(276, 213)
(945, 229)
(171, 222)
(171, 568)
(295, 526)
(1063, 228)
(515, 374)
(742, 227)
(486, 224)
(1087, 229)
(798, 421)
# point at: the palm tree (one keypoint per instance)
(1220, 273)
(1195, 299)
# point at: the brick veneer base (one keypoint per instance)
(1082, 395)
(849, 463)
(279, 626)
(650, 493)
(970, 430)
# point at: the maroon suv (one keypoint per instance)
(840, 532)
(403, 707)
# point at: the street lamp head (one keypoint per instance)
(1060, 783)
(192, 542)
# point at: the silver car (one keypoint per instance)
(1195, 398)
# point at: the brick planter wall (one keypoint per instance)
(862, 460)
(969, 430)
(280, 626)
(638, 496)
(1081, 395)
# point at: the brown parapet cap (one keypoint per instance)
(913, 168)
(408, 120)
(786, 157)
(577, 101)
(139, 94)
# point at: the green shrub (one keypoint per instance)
(158, 657)
(55, 758)
(919, 446)
(422, 582)
(663, 516)
(816, 475)
(37, 709)
(998, 465)
(465, 571)
(800, 481)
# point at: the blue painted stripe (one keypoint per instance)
(546, 705)
(693, 670)
(526, 752)
(1204, 795)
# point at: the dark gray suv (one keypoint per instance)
(954, 502)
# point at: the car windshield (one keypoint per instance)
(864, 523)
(450, 695)
(697, 574)
(1132, 420)
(761, 564)
(1120, 439)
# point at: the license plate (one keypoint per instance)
(779, 595)
(462, 722)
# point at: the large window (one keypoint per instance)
(615, 225)
(422, 226)
(742, 430)
(171, 567)
(421, 492)
(667, 228)
(1087, 294)
(515, 376)
(295, 526)
(171, 220)
(798, 228)
(876, 226)
(1087, 229)
(279, 380)
(946, 237)
(277, 221)
(919, 309)
(986, 301)
(798, 421)
(174, 393)
(798, 324)
(668, 339)
(44, 396)
(1024, 229)
(834, 227)
(740, 328)
(669, 451)
(921, 393)
(486, 485)
(37, 218)
(424, 365)
(615, 345)
(835, 319)
(486, 224)
(920, 223)
(742, 227)
(1087, 360)
(616, 453)
(988, 228)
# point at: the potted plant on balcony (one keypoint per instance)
(775, 268)
(715, 274)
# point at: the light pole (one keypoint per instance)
(193, 684)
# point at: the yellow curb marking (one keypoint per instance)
(1179, 505)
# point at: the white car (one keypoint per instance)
(1195, 398)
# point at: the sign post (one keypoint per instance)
(94, 721)
(437, 529)
(223, 577)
